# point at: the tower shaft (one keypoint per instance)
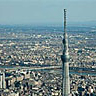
(65, 65)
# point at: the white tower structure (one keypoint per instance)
(65, 65)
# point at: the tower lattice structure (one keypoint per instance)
(65, 65)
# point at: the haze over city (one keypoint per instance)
(46, 11)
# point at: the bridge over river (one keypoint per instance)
(40, 68)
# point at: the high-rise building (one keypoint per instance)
(65, 65)
(2, 80)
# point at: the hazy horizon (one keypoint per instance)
(46, 11)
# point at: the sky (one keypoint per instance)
(46, 11)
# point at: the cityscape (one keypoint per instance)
(31, 65)
(47, 48)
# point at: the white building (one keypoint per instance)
(2, 80)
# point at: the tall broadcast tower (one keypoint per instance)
(65, 65)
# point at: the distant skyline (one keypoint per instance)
(46, 11)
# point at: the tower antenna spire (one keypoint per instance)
(65, 65)
(64, 20)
